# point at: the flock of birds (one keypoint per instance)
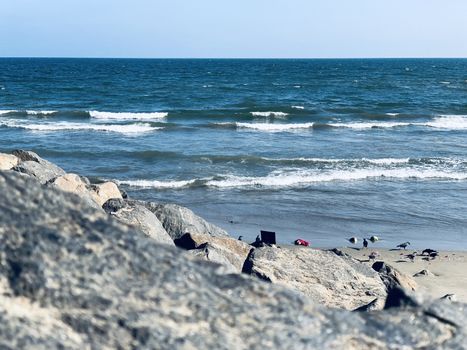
(427, 254)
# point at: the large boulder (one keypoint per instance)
(101, 193)
(224, 250)
(178, 220)
(33, 165)
(134, 214)
(393, 278)
(74, 184)
(8, 161)
(331, 280)
(72, 277)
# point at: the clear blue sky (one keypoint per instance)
(235, 28)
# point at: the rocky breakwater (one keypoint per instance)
(72, 276)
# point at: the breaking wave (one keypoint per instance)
(127, 115)
(270, 114)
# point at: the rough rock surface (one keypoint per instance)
(74, 184)
(213, 253)
(135, 214)
(8, 161)
(33, 165)
(225, 250)
(72, 277)
(393, 278)
(331, 280)
(103, 192)
(178, 220)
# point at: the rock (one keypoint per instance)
(105, 191)
(450, 297)
(401, 298)
(423, 273)
(72, 277)
(74, 184)
(373, 305)
(212, 253)
(136, 215)
(233, 251)
(329, 279)
(178, 220)
(393, 278)
(33, 165)
(8, 161)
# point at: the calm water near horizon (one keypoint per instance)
(314, 149)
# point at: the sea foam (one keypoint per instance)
(452, 122)
(270, 114)
(269, 127)
(127, 115)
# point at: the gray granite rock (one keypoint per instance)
(33, 165)
(72, 277)
(178, 220)
(330, 279)
(393, 278)
(134, 214)
(224, 250)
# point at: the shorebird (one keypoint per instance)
(433, 255)
(403, 245)
(374, 239)
(240, 238)
(353, 240)
(365, 243)
(429, 251)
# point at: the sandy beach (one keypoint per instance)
(447, 272)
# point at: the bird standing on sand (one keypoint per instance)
(353, 240)
(240, 238)
(365, 243)
(412, 256)
(428, 251)
(374, 239)
(403, 245)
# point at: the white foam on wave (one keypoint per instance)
(391, 114)
(270, 114)
(303, 178)
(452, 122)
(369, 125)
(377, 161)
(64, 126)
(127, 115)
(156, 183)
(297, 179)
(5, 111)
(298, 107)
(30, 112)
(269, 127)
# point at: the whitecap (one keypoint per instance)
(369, 125)
(298, 107)
(269, 114)
(269, 127)
(452, 122)
(392, 114)
(127, 115)
(156, 183)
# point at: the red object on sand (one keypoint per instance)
(302, 242)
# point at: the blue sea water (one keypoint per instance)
(314, 149)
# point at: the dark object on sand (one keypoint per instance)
(268, 237)
(353, 240)
(411, 257)
(433, 255)
(429, 251)
(302, 242)
(365, 243)
(373, 256)
(373, 239)
(240, 238)
(257, 243)
(403, 245)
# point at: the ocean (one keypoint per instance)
(315, 149)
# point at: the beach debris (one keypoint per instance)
(353, 240)
(403, 245)
(374, 239)
(412, 256)
(365, 243)
(301, 242)
(423, 273)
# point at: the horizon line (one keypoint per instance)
(234, 58)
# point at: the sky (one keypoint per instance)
(233, 28)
